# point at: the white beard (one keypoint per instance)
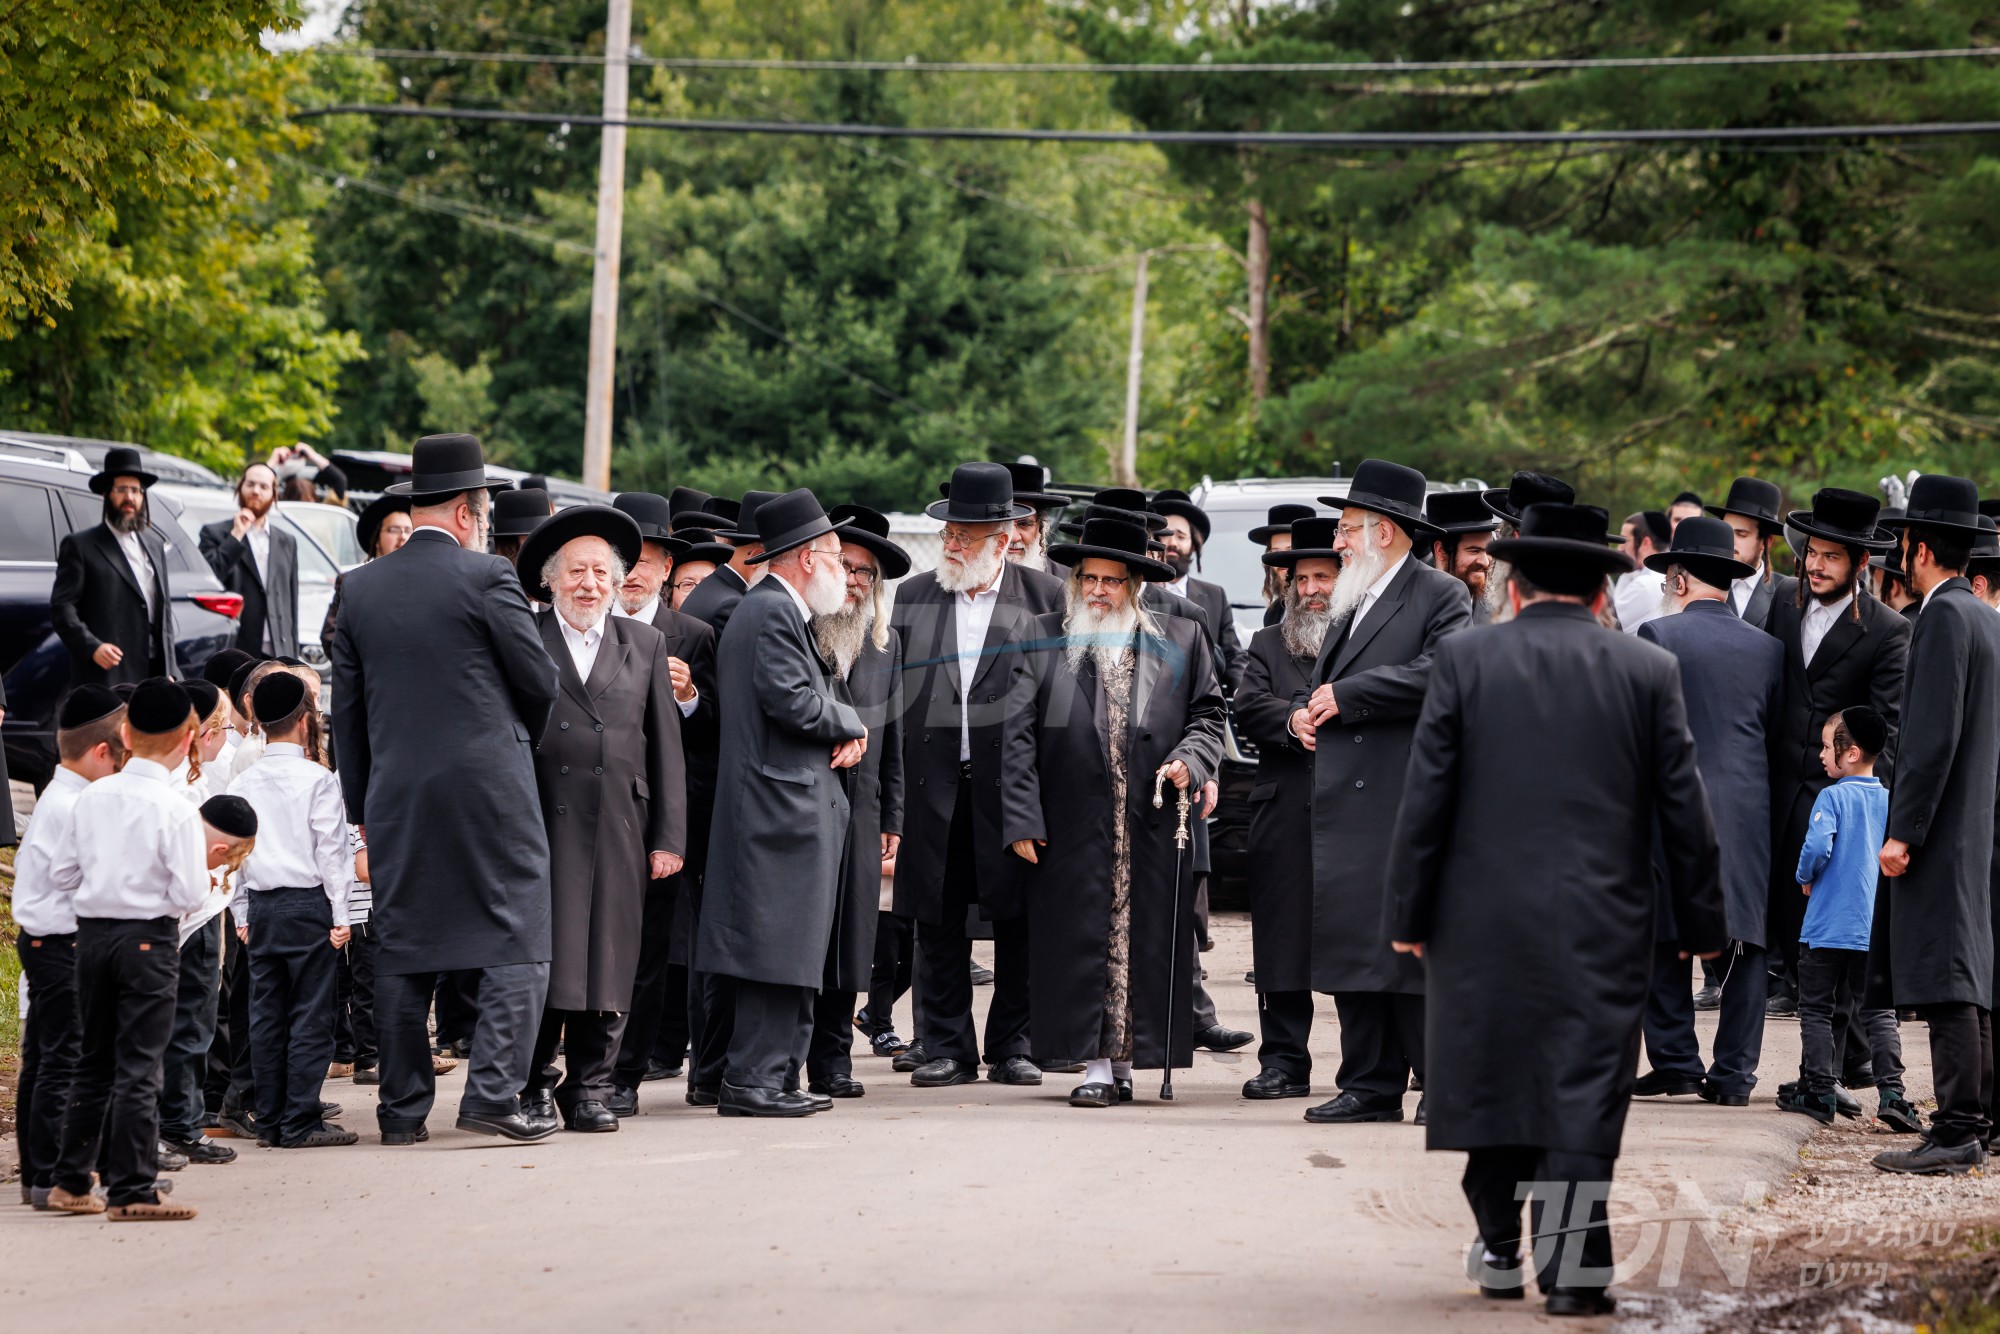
(1034, 558)
(1357, 575)
(842, 635)
(1303, 631)
(1103, 637)
(974, 575)
(826, 591)
(583, 622)
(1494, 599)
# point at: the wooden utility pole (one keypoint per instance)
(610, 226)
(1128, 454)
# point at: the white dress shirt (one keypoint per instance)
(798, 600)
(446, 531)
(583, 645)
(1374, 594)
(645, 616)
(1179, 585)
(1740, 590)
(975, 618)
(142, 568)
(140, 846)
(302, 837)
(1636, 595)
(1819, 619)
(46, 871)
(258, 538)
(247, 752)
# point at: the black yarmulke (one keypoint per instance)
(218, 670)
(277, 697)
(88, 703)
(158, 706)
(203, 695)
(230, 815)
(1868, 728)
(239, 679)
(290, 661)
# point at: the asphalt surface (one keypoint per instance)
(981, 1207)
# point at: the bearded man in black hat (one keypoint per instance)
(1507, 504)
(1941, 824)
(1186, 532)
(1277, 671)
(1121, 701)
(1497, 894)
(1389, 614)
(1751, 510)
(1275, 534)
(959, 625)
(444, 689)
(779, 839)
(1465, 528)
(516, 513)
(714, 599)
(1029, 543)
(110, 603)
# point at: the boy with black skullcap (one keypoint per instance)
(45, 878)
(144, 855)
(291, 911)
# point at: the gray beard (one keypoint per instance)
(1034, 558)
(1357, 575)
(972, 576)
(826, 592)
(1303, 631)
(1494, 599)
(1094, 637)
(578, 619)
(842, 635)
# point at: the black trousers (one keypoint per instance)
(1668, 1022)
(944, 979)
(711, 1012)
(457, 1007)
(231, 1083)
(1381, 1044)
(511, 999)
(830, 1051)
(126, 976)
(1829, 981)
(1572, 1238)
(770, 1034)
(291, 1007)
(354, 1002)
(196, 1000)
(590, 1042)
(891, 973)
(1961, 1071)
(1285, 1019)
(50, 1048)
(657, 1015)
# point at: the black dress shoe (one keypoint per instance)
(201, 1149)
(660, 1070)
(539, 1104)
(1931, 1159)
(1015, 1070)
(623, 1101)
(1092, 1095)
(702, 1095)
(1270, 1083)
(1708, 998)
(734, 1101)
(398, 1138)
(1420, 1118)
(943, 1073)
(910, 1058)
(591, 1117)
(1124, 1087)
(1710, 1093)
(838, 1086)
(512, 1126)
(1066, 1068)
(371, 1075)
(1781, 1007)
(1665, 1084)
(1500, 1279)
(819, 1102)
(1217, 1038)
(1579, 1301)
(1349, 1109)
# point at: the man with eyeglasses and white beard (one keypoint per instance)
(1028, 544)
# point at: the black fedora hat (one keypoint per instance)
(1029, 479)
(557, 530)
(1279, 519)
(1524, 489)
(700, 544)
(652, 513)
(442, 466)
(1563, 537)
(1391, 490)
(1846, 517)
(742, 525)
(723, 509)
(121, 462)
(1133, 501)
(979, 493)
(1986, 546)
(1707, 549)
(1938, 501)
(1114, 539)
(1181, 503)
(1312, 539)
(518, 513)
(369, 526)
(686, 500)
(1756, 499)
(1137, 518)
(791, 520)
(1454, 512)
(870, 528)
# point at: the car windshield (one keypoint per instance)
(1231, 559)
(331, 526)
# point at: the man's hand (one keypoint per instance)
(243, 935)
(1177, 774)
(1895, 858)
(1024, 848)
(1210, 794)
(1305, 729)
(683, 679)
(1704, 955)
(848, 753)
(890, 842)
(244, 518)
(339, 936)
(1806, 890)
(1322, 705)
(108, 656)
(1415, 947)
(665, 864)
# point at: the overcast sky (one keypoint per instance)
(322, 18)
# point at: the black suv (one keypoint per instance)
(44, 496)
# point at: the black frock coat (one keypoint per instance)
(875, 796)
(1523, 860)
(1057, 786)
(1940, 911)
(1281, 900)
(270, 600)
(692, 641)
(96, 600)
(614, 791)
(1379, 677)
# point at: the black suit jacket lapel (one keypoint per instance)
(558, 649)
(610, 661)
(114, 554)
(1845, 634)
(1379, 615)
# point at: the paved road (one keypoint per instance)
(976, 1208)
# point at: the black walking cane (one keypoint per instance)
(1174, 922)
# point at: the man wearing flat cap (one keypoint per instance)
(714, 599)
(1753, 511)
(110, 603)
(1497, 895)
(1389, 614)
(1465, 528)
(779, 840)
(1122, 703)
(445, 688)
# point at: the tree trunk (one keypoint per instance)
(1258, 256)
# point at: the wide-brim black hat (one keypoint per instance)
(1133, 501)
(869, 528)
(979, 493)
(1986, 546)
(789, 521)
(1279, 519)
(683, 499)
(369, 526)
(1938, 501)
(742, 525)
(518, 513)
(614, 526)
(1509, 502)
(1391, 490)
(1457, 512)
(704, 546)
(1565, 536)
(1845, 517)
(1182, 504)
(1706, 548)
(442, 466)
(654, 514)
(1755, 499)
(1029, 479)
(1114, 539)
(121, 462)
(1312, 539)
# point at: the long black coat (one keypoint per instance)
(443, 689)
(875, 794)
(9, 835)
(1281, 900)
(779, 839)
(714, 599)
(1220, 622)
(1940, 913)
(1379, 677)
(1732, 679)
(614, 791)
(1057, 787)
(96, 600)
(926, 619)
(1763, 597)
(1522, 859)
(693, 642)
(271, 600)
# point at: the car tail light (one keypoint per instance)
(222, 604)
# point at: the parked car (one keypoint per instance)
(167, 467)
(332, 526)
(44, 496)
(370, 471)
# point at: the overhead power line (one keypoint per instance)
(1352, 139)
(1199, 67)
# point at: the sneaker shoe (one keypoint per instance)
(169, 1159)
(886, 1043)
(202, 1149)
(1896, 1113)
(1821, 1107)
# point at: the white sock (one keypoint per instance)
(1097, 1072)
(1122, 1069)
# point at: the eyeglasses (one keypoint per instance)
(1350, 531)
(1104, 581)
(866, 574)
(682, 585)
(956, 539)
